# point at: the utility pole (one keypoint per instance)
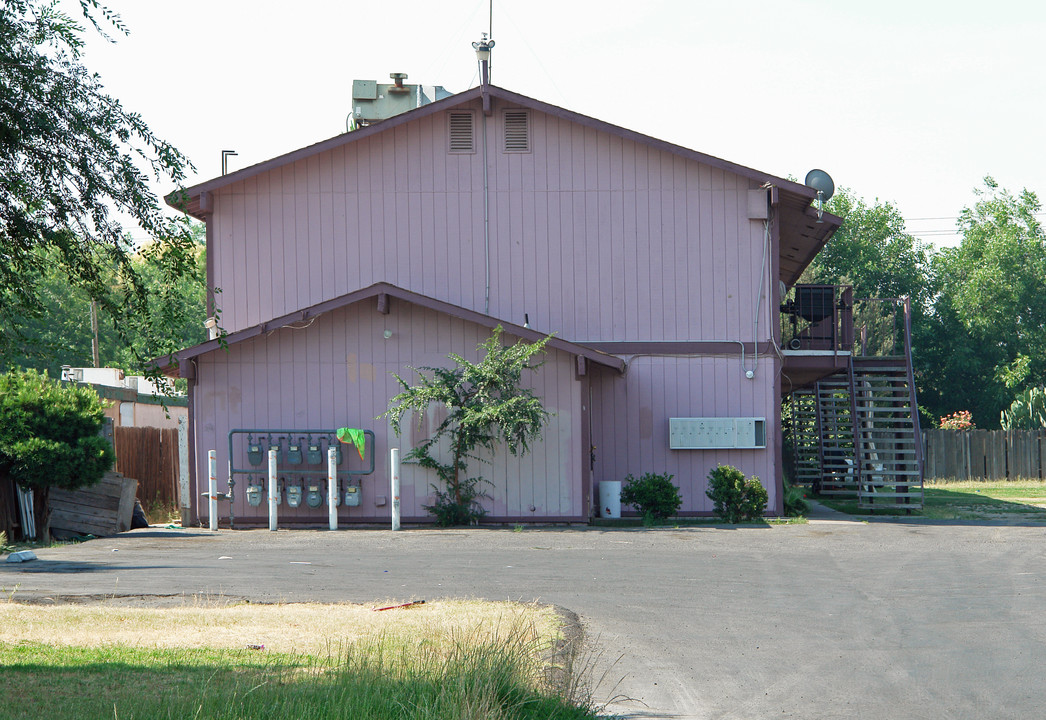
(94, 333)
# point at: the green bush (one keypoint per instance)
(50, 436)
(653, 495)
(464, 509)
(1027, 412)
(735, 498)
(50, 433)
(795, 504)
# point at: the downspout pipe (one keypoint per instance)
(486, 215)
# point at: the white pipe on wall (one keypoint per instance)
(395, 480)
(212, 489)
(272, 489)
(332, 487)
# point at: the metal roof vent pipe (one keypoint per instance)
(398, 79)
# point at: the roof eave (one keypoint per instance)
(170, 364)
(188, 199)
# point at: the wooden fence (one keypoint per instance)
(8, 508)
(984, 454)
(150, 456)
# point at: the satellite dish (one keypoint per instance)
(820, 181)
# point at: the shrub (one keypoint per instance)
(653, 495)
(1027, 412)
(735, 498)
(463, 509)
(959, 420)
(50, 436)
(794, 503)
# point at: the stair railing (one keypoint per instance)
(911, 384)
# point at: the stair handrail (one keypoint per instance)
(911, 384)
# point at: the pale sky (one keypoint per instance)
(912, 102)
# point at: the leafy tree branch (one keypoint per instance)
(486, 407)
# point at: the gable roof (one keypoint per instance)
(802, 235)
(169, 364)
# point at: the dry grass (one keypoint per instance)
(311, 629)
(159, 513)
(441, 661)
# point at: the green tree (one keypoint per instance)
(954, 370)
(874, 253)
(50, 436)
(485, 407)
(993, 289)
(72, 160)
(62, 334)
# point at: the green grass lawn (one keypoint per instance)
(432, 670)
(1003, 500)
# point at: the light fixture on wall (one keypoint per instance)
(388, 334)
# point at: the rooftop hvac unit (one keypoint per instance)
(373, 102)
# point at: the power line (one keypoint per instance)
(955, 217)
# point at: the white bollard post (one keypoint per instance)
(273, 490)
(395, 480)
(184, 492)
(212, 488)
(332, 487)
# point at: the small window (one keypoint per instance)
(462, 136)
(517, 131)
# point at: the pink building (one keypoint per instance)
(658, 269)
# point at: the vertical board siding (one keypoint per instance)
(630, 421)
(594, 237)
(339, 372)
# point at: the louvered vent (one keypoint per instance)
(462, 138)
(517, 131)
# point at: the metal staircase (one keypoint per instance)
(806, 439)
(835, 415)
(856, 433)
(887, 435)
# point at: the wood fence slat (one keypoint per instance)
(985, 454)
(150, 455)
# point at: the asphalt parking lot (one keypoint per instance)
(832, 619)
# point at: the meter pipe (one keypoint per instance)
(332, 487)
(212, 488)
(272, 489)
(395, 480)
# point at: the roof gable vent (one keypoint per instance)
(462, 136)
(517, 131)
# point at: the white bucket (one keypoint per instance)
(610, 498)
